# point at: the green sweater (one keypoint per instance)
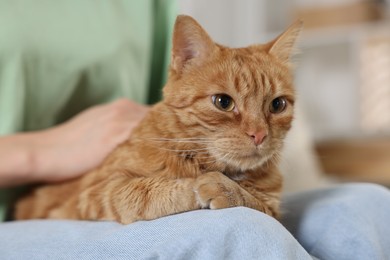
(59, 57)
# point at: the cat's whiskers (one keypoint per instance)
(180, 140)
(223, 155)
(194, 156)
(219, 156)
(202, 153)
(183, 138)
(199, 150)
(165, 112)
(178, 151)
(201, 141)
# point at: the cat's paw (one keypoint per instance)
(216, 191)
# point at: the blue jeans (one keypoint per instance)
(346, 222)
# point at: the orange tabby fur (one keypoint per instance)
(187, 154)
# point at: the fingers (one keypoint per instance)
(83, 142)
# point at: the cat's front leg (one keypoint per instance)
(214, 190)
(127, 200)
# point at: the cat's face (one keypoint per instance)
(238, 101)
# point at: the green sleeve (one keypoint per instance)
(59, 57)
(165, 15)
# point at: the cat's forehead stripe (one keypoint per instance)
(250, 79)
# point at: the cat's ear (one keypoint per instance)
(283, 47)
(191, 44)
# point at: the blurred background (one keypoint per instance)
(342, 127)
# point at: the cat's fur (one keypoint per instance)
(187, 154)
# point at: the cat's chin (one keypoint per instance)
(248, 162)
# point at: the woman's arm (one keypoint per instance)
(16, 159)
(68, 150)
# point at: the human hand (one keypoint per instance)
(81, 144)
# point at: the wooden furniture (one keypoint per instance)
(356, 160)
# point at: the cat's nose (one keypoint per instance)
(257, 137)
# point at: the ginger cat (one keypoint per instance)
(213, 142)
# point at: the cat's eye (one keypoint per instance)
(278, 105)
(223, 102)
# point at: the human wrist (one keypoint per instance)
(33, 165)
(33, 148)
(39, 156)
(17, 160)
